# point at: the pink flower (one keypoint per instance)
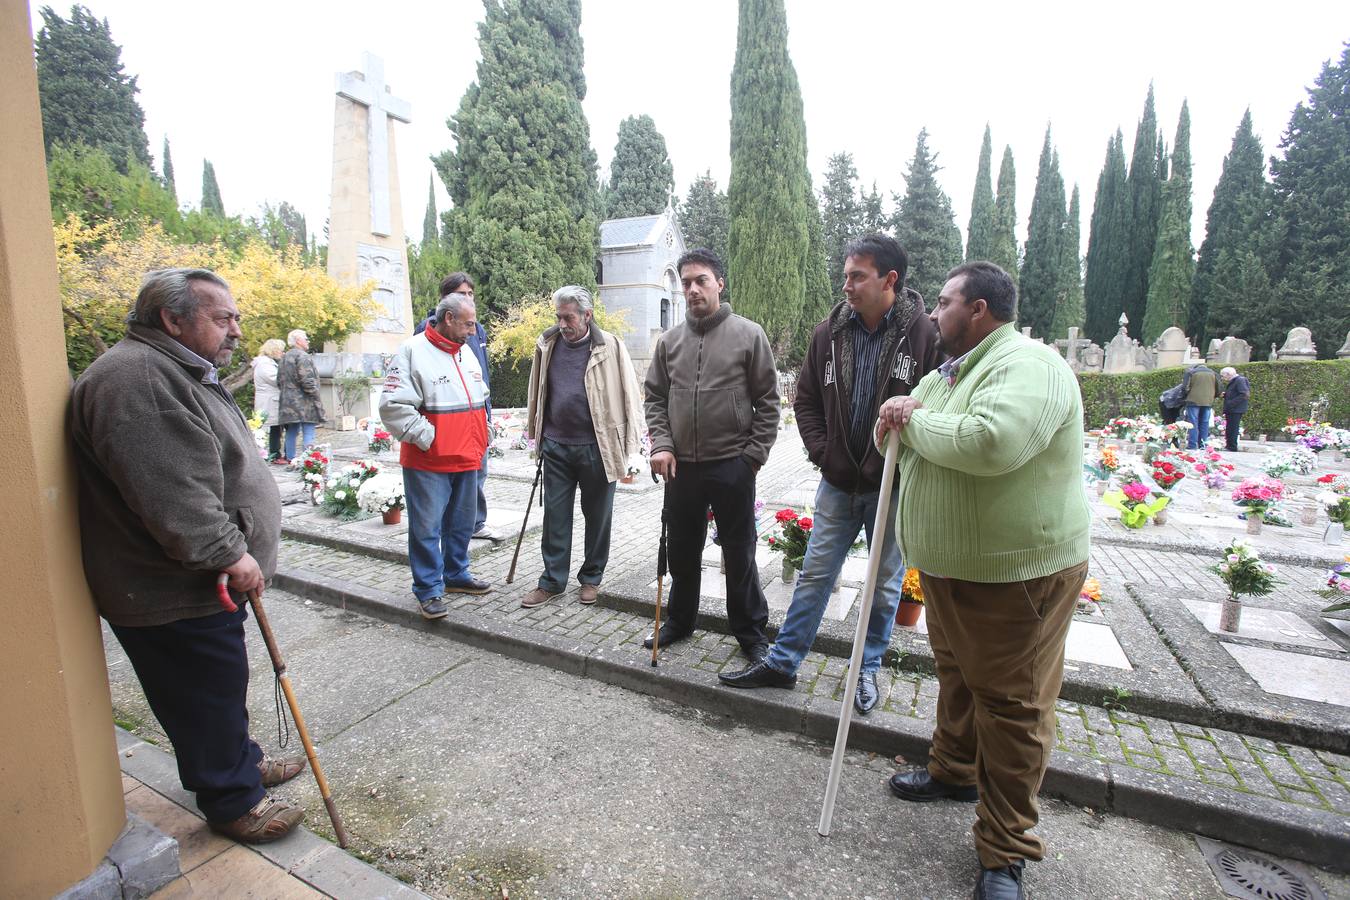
(1135, 491)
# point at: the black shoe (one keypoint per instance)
(669, 635)
(917, 785)
(758, 675)
(865, 700)
(1004, 883)
(472, 586)
(755, 652)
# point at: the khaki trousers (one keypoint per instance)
(999, 653)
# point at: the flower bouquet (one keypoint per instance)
(794, 532)
(1338, 587)
(1335, 498)
(380, 441)
(1297, 427)
(340, 491)
(1136, 503)
(382, 493)
(1090, 596)
(1121, 428)
(1103, 468)
(1258, 496)
(314, 466)
(1244, 573)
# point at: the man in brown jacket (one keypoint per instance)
(173, 493)
(712, 410)
(583, 415)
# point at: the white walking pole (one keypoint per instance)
(860, 637)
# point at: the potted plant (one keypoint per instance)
(1257, 496)
(1105, 466)
(314, 466)
(340, 491)
(382, 494)
(1244, 573)
(351, 387)
(794, 532)
(1336, 499)
(911, 600)
(381, 441)
(1166, 475)
(1136, 503)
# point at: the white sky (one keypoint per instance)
(249, 85)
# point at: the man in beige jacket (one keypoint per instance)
(584, 417)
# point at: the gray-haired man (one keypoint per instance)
(584, 414)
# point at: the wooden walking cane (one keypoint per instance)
(515, 557)
(279, 666)
(860, 635)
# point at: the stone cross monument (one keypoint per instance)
(365, 229)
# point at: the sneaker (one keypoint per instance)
(538, 597)
(487, 534)
(433, 608)
(271, 819)
(276, 769)
(472, 586)
(588, 593)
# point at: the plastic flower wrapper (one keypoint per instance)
(1132, 501)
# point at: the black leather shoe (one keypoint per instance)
(1001, 884)
(917, 785)
(865, 700)
(758, 675)
(755, 652)
(472, 586)
(669, 635)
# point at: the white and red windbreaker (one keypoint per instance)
(435, 403)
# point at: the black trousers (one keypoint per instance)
(728, 486)
(1231, 426)
(195, 675)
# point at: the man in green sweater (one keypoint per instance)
(993, 515)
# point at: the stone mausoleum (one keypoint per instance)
(636, 274)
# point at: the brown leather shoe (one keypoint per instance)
(588, 593)
(538, 597)
(276, 769)
(271, 819)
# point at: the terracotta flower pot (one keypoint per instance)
(907, 613)
(1253, 523)
(392, 516)
(1230, 614)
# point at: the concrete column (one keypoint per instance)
(59, 779)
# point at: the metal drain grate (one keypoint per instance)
(1250, 876)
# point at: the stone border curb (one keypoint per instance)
(1313, 836)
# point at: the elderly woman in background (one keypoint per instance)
(300, 407)
(267, 397)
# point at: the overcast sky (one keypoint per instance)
(250, 85)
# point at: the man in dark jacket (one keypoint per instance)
(874, 345)
(173, 493)
(1237, 397)
(712, 411)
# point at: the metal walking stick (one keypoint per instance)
(660, 573)
(860, 636)
(515, 557)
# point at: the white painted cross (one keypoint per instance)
(380, 105)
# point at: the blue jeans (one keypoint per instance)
(1198, 416)
(292, 430)
(838, 519)
(440, 522)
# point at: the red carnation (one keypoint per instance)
(804, 523)
(786, 515)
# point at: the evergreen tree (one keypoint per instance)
(168, 174)
(86, 97)
(768, 241)
(212, 205)
(874, 220)
(703, 216)
(522, 176)
(641, 176)
(841, 214)
(1242, 188)
(1003, 245)
(1069, 311)
(1042, 265)
(925, 224)
(1145, 187)
(431, 228)
(820, 294)
(980, 232)
(1312, 202)
(1173, 267)
(1108, 245)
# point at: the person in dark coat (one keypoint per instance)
(1237, 396)
(300, 408)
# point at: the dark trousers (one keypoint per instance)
(566, 468)
(195, 675)
(273, 441)
(1231, 426)
(728, 486)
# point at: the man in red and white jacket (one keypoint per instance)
(435, 403)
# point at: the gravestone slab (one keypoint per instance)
(1233, 351)
(1295, 674)
(803, 494)
(1090, 642)
(712, 557)
(1172, 347)
(375, 527)
(1340, 625)
(1261, 624)
(1298, 346)
(779, 596)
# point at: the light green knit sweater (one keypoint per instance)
(991, 469)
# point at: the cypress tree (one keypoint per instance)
(703, 215)
(820, 294)
(1312, 202)
(1145, 187)
(841, 212)
(211, 203)
(1173, 267)
(1042, 265)
(1069, 310)
(86, 97)
(980, 232)
(1003, 248)
(1108, 245)
(768, 241)
(431, 228)
(874, 220)
(522, 176)
(1242, 187)
(641, 176)
(168, 173)
(925, 224)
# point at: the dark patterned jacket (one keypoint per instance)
(298, 382)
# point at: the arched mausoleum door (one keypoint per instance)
(670, 311)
